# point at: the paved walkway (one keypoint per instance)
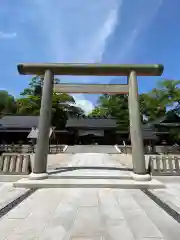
(89, 164)
(8, 194)
(92, 159)
(91, 149)
(171, 194)
(51, 214)
(88, 214)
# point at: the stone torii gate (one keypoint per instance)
(129, 70)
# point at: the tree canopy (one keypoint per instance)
(163, 99)
(7, 103)
(115, 106)
(63, 105)
(153, 104)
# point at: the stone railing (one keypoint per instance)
(167, 149)
(17, 148)
(53, 149)
(155, 150)
(15, 164)
(164, 165)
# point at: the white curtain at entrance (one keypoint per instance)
(34, 133)
(99, 133)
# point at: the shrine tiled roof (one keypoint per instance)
(91, 122)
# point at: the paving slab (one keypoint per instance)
(126, 159)
(92, 149)
(37, 210)
(89, 213)
(169, 228)
(58, 160)
(88, 222)
(8, 194)
(138, 221)
(170, 195)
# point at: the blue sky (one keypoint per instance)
(107, 31)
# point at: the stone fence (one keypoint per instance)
(15, 164)
(155, 150)
(164, 165)
(18, 148)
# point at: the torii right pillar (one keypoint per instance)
(138, 158)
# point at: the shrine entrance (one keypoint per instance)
(89, 137)
(131, 88)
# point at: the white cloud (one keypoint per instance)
(77, 31)
(4, 35)
(86, 105)
(96, 45)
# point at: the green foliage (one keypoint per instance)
(115, 106)
(175, 135)
(30, 102)
(161, 100)
(157, 102)
(63, 104)
(7, 103)
(28, 105)
(170, 92)
(153, 105)
(62, 107)
(99, 112)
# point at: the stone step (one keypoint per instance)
(89, 174)
(88, 183)
(55, 176)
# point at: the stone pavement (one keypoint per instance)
(126, 159)
(91, 149)
(171, 194)
(88, 214)
(56, 160)
(8, 194)
(89, 160)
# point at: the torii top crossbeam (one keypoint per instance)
(91, 69)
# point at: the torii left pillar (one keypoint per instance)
(42, 147)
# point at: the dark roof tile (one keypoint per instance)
(91, 123)
(19, 121)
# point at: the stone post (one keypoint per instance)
(138, 157)
(42, 147)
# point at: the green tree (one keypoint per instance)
(175, 135)
(30, 102)
(7, 103)
(99, 112)
(170, 93)
(63, 105)
(152, 105)
(115, 106)
(164, 98)
(160, 101)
